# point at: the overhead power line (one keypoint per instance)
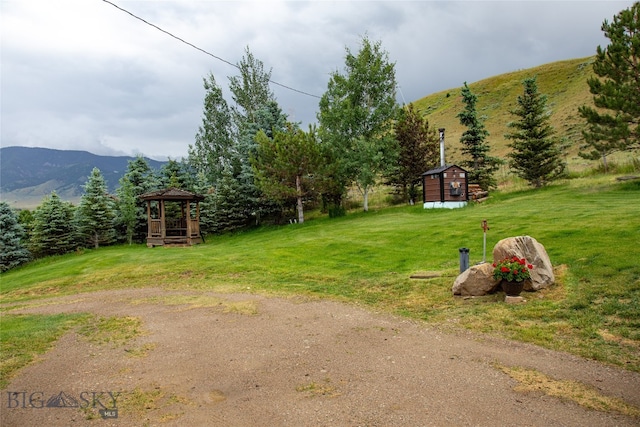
(202, 50)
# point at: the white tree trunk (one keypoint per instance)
(299, 200)
(365, 195)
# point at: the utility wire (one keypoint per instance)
(202, 50)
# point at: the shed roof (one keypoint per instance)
(171, 194)
(442, 169)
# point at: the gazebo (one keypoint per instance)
(173, 217)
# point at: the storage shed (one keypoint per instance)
(173, 217)
(445, 187)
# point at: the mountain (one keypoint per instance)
(28, 174)
(563, 82)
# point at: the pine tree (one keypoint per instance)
(25, 219)
(250, 90)
(143, 180)
(214, 140)
(207, 205)
(54, 231)
(418, 145)
(127, 208)
(615, 124)
(95, 214)
(174, 174)
(284, 166)
(225, 141)
(229, 213)
(535, 156)
(482, 166)
(12, 236)
(269, 120)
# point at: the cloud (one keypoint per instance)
(80, 74)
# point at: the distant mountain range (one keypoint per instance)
(28, 174)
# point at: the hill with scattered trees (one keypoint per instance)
(563, 82)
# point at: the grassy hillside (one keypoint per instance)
(564, 83)
(589, 226)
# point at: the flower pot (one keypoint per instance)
(512, 289)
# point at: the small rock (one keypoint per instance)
(476, 281)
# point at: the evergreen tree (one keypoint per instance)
(535, 156)
(615, 124)
(228, 215)
(482, 166)
(269, 120)
(207, 205)
(54, 231)
(250, 90)
(285, 164)
(356, 118)
(95, 214)
(256, 109)
(215, 138)
(25, 219)
(418, 145)
(143, 180)
(174, 174)
(226, 140)
(12, 236)
(127, 207)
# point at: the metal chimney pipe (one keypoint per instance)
(441, 130)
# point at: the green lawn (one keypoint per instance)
(590, 228)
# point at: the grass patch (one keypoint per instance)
(530, 380)
(141, 403)
(325, 388)
(247, 307)
(24, 337)
(141, 351)
(116, 331)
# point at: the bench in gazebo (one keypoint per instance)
(173, 217)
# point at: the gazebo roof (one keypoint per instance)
(171, 194)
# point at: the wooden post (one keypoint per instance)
(163, 223)
(148, 219)
(186, 216)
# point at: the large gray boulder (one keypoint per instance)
(527, 247)
(475, 281)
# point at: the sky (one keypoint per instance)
(85, 75)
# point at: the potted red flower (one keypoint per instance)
(512, 272)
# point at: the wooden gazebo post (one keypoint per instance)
(186, 215)
(149, 227)
(163, 220)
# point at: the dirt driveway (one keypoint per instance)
(210, 359)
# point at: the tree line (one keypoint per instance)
(255, 166)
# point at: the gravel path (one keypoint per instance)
(249, 360)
